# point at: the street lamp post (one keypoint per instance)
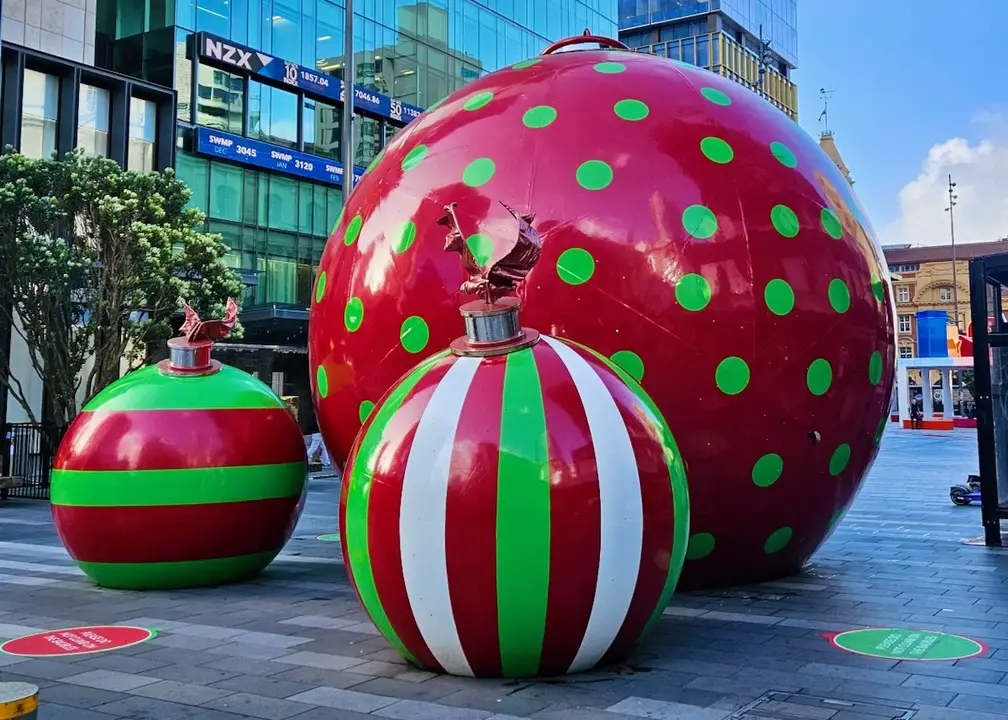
(348, 100)
(953, 196)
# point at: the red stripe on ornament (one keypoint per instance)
(384, 502)
(180, 439)
(658, 519)
(471, 520)
(575, 516)
(175, 533)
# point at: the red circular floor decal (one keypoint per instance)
(77, 641)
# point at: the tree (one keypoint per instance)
(93, 263)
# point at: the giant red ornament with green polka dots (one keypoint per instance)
(691, 232)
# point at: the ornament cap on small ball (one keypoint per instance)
(515, 506)
(187, 473)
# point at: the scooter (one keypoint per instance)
(966, 494)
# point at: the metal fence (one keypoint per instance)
(27, 456)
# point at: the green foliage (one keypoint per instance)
(94, 261)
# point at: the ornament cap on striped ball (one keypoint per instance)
(169, 480)
(518, 514)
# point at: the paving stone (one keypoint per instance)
(110, 680)
(54, 711)
(267, 686)
(343, 699)
(195, 674)
(246, 666)
(258, 706)
(419, 710)
(319, 660)
(184, 693)
(142, 708)
(76, 696)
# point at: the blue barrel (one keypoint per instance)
(932, 336)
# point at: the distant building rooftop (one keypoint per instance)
(904, 254)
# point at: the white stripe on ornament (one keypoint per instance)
(620, 506)
(422, 515)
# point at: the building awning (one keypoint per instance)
(275, 324)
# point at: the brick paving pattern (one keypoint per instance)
(294, 643)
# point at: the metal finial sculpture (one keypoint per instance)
(189, 354)
(194, 329)
(510, 263)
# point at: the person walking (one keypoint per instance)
(915, 416)
(309, 426)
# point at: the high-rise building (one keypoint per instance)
(259, 119)
(753, 42)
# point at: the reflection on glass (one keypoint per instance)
(367, 140)
(93, 120)
(219, 104)
(211, 15)
(183, 78)
(272, 115)
(142, 133)
(39, 108)
(321, 128)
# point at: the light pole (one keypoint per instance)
(348, 101)
(953, 196)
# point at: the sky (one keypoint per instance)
(920, 91)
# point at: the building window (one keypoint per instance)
(906, 268)
(93, 121)
(219, 102)
(905, 351)
(320, 128)
(903, 294)
(945, 294)
(39, 110)
(272, 115)
(904, 323)
(142, 133)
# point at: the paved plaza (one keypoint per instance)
(295, 644)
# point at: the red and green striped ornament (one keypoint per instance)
(168, 480)
(518, 514)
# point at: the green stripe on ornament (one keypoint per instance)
(117, 488)
(677, 479)
(523, 518)
(171, 575)
(149, 389)
(358, 492)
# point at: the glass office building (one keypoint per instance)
(259, 109)
(754, 42)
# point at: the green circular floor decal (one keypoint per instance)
(329, 537)
(898, 644)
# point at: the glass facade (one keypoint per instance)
(93, 120)
(778, 18)
(415, 52)
(39, 113)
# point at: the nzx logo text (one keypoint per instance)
(234, 56)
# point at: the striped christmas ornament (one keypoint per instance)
(516, 515)
(167, 481)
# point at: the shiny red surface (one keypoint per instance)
(634, 231)
(180, 439)
(174, 533)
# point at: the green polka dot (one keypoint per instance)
(631, 362)
(878, 287)
(732, 375)
(831, 223)
(699, 221)
(693, 292)
(364, 410)
(839, 295)
(779, 297)
(414, 157)
(777, 541)
(478, 172)
(717, 150)
(353, 314)
(404, 236)
(482, 247)
(414, 334)
(767, 470)
(875, 368)
(320, 286)
(479, 100)
(610, 68)
(525, 64)
(700, 546)
(784, 220)
(353, 230)
(321, 381)
(783, 154)
(715, 96)
(819, 376)
(539, 117)
(594, 175)
(575, 266)
(631, 110)
(838, 462)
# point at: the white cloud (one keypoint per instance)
(980, 172)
